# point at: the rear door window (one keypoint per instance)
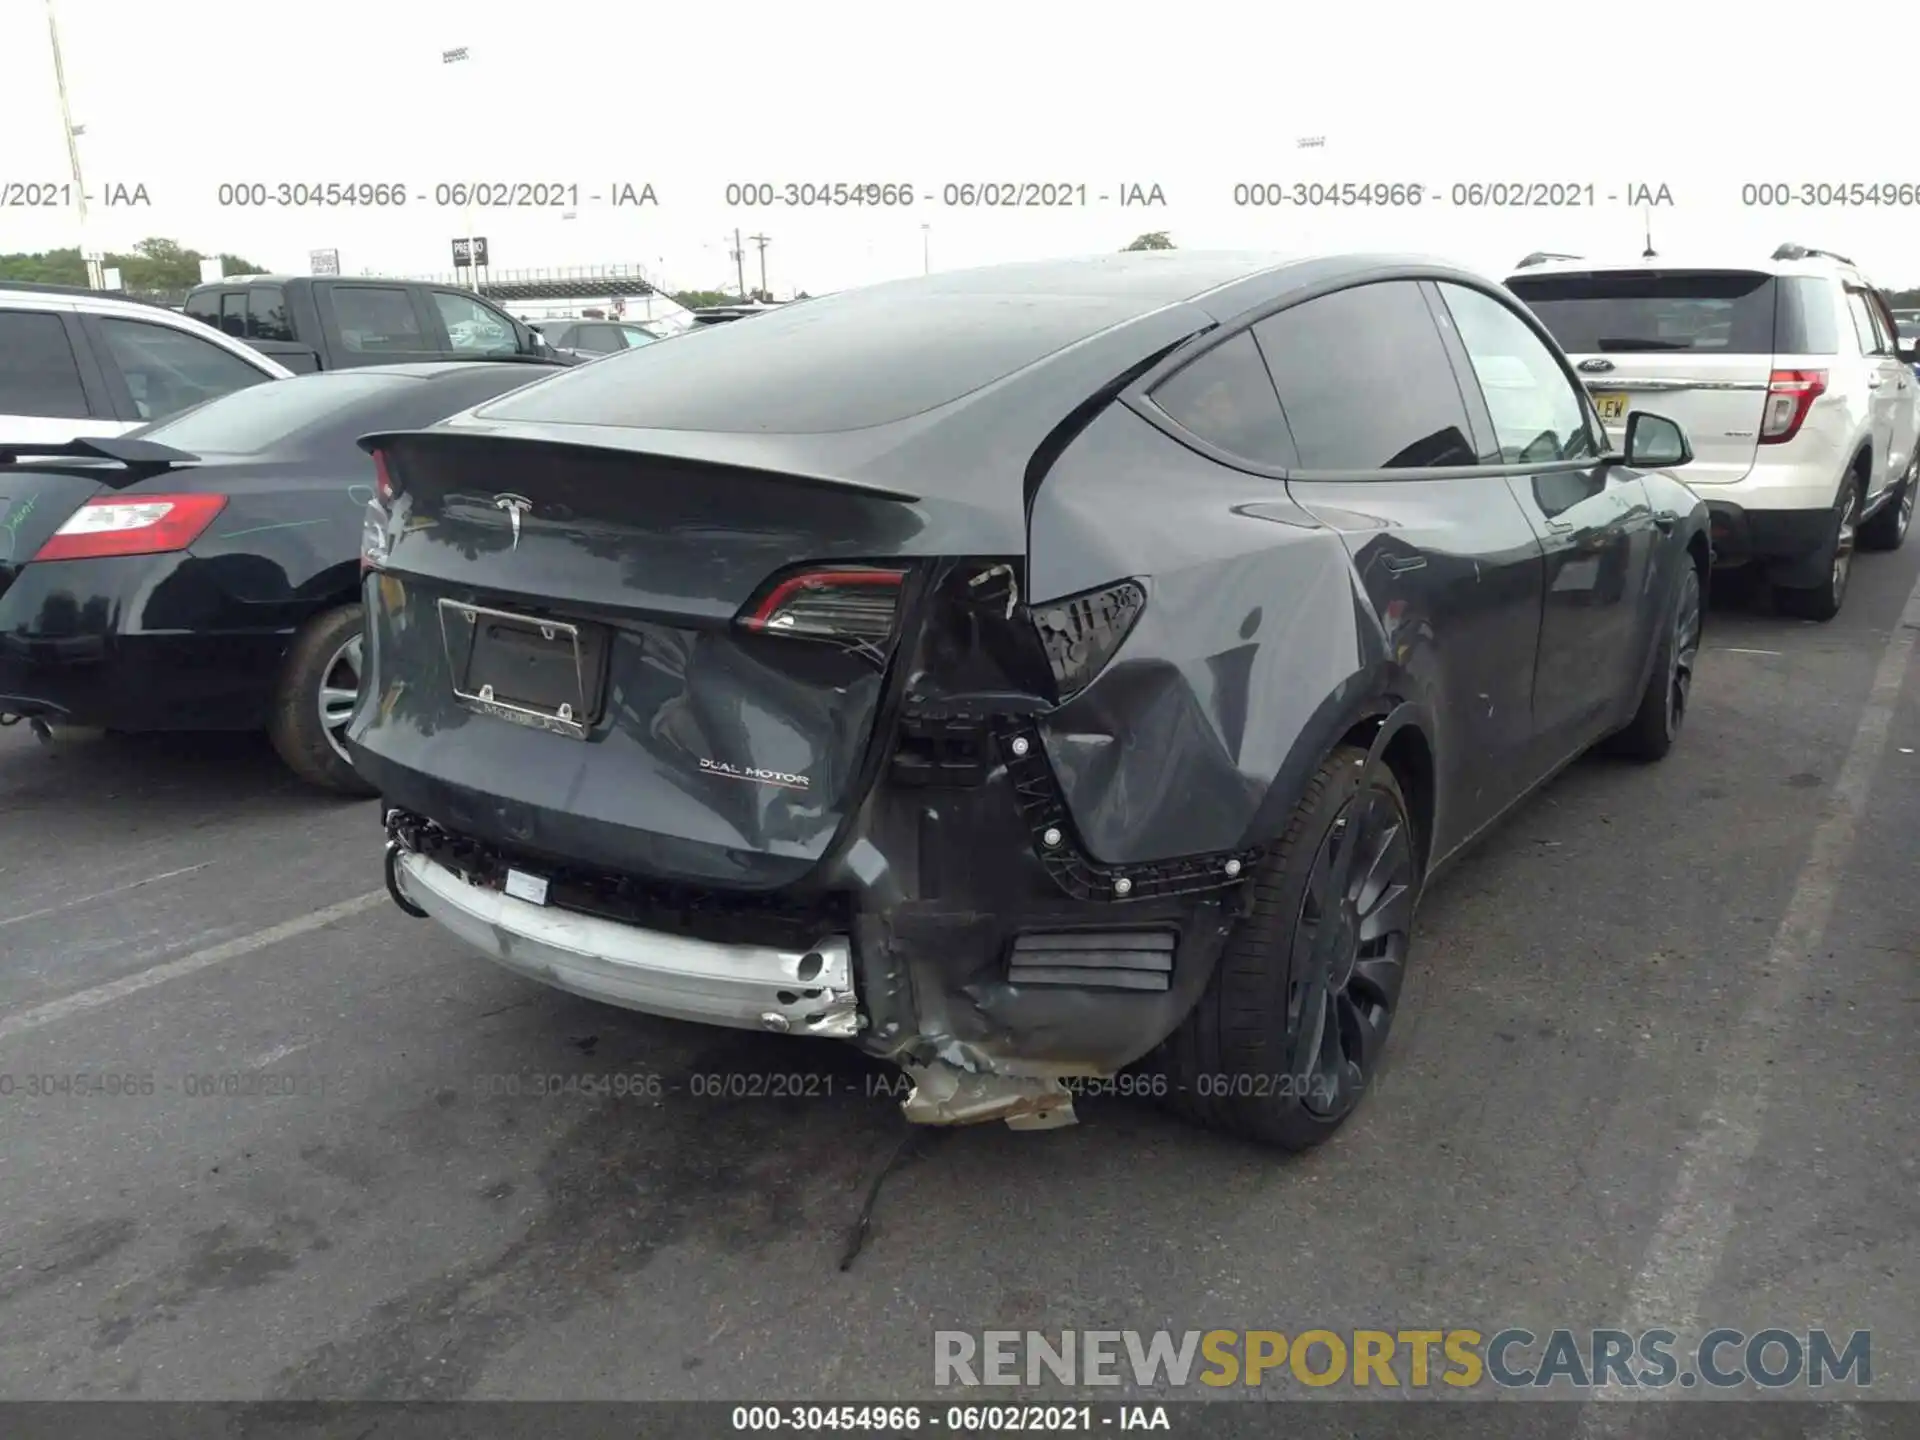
(267, 314)
(38, 372)
(1624, 312)
(1366, 382)
(1226, 398)
(167, 369)
(378, 319)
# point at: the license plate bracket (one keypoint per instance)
(540, 673)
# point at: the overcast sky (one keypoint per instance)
(184, 95)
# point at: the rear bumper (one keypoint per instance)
(751, 987)
(133, 643)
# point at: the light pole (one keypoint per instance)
(73, 133)
(460, 55)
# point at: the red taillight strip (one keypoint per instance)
(181, 521)
(814, 580)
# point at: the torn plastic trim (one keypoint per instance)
(1067, 863)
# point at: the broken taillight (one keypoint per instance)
(1081, 633)
(853, 604)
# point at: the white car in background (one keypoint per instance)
(77, 362)
(1796, 390)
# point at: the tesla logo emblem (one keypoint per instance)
(515, 506)
(1596, 367)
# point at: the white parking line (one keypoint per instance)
(103, 894)
(1687, 1244)
(85, 1000)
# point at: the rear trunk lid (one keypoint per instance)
(1697, 346)
(659, 667)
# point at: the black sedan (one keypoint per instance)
(203, 573)
(1025, 673)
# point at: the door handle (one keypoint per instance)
(1876, 382)
(1560, 527)
(1663, 522)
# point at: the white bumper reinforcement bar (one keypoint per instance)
(746, 987)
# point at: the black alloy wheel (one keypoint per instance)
(1663, 705)
(1350, 952)
(1291, 1029)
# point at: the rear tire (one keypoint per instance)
(1822, 602)
(314, 700)
(1663, 705)
(1289, 1033)
(1887, 530)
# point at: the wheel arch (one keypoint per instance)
(1392, 729)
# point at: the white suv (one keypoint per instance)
(79, 362)
(1795, 389)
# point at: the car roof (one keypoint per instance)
(939, 386)
(420, 369)
(71, 296)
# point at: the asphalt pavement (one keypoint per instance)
(1656, 1066)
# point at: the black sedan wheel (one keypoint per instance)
(1663, 706)
(319, 686)
(1293, 1024)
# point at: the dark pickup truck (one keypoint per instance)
(334, 323)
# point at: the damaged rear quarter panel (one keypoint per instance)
(1256, 651)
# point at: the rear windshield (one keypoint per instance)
(832, 365)
(1624, 312)
(261, 417)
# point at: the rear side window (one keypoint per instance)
(376, 320)
(205, 307)
(38, 374)
(1366, 382)
(1807, 321)
(599, 339)
(267, 314)
(1623, 312)
(1226, 398)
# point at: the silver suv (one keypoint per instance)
(1792, 381)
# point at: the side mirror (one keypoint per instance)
(1656, 443)
(1908, 350)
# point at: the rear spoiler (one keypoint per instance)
(142, 456)
(753, 453)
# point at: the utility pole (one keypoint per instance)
(95, 279)
(926, 249)
(739, 265)
(763, 241)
